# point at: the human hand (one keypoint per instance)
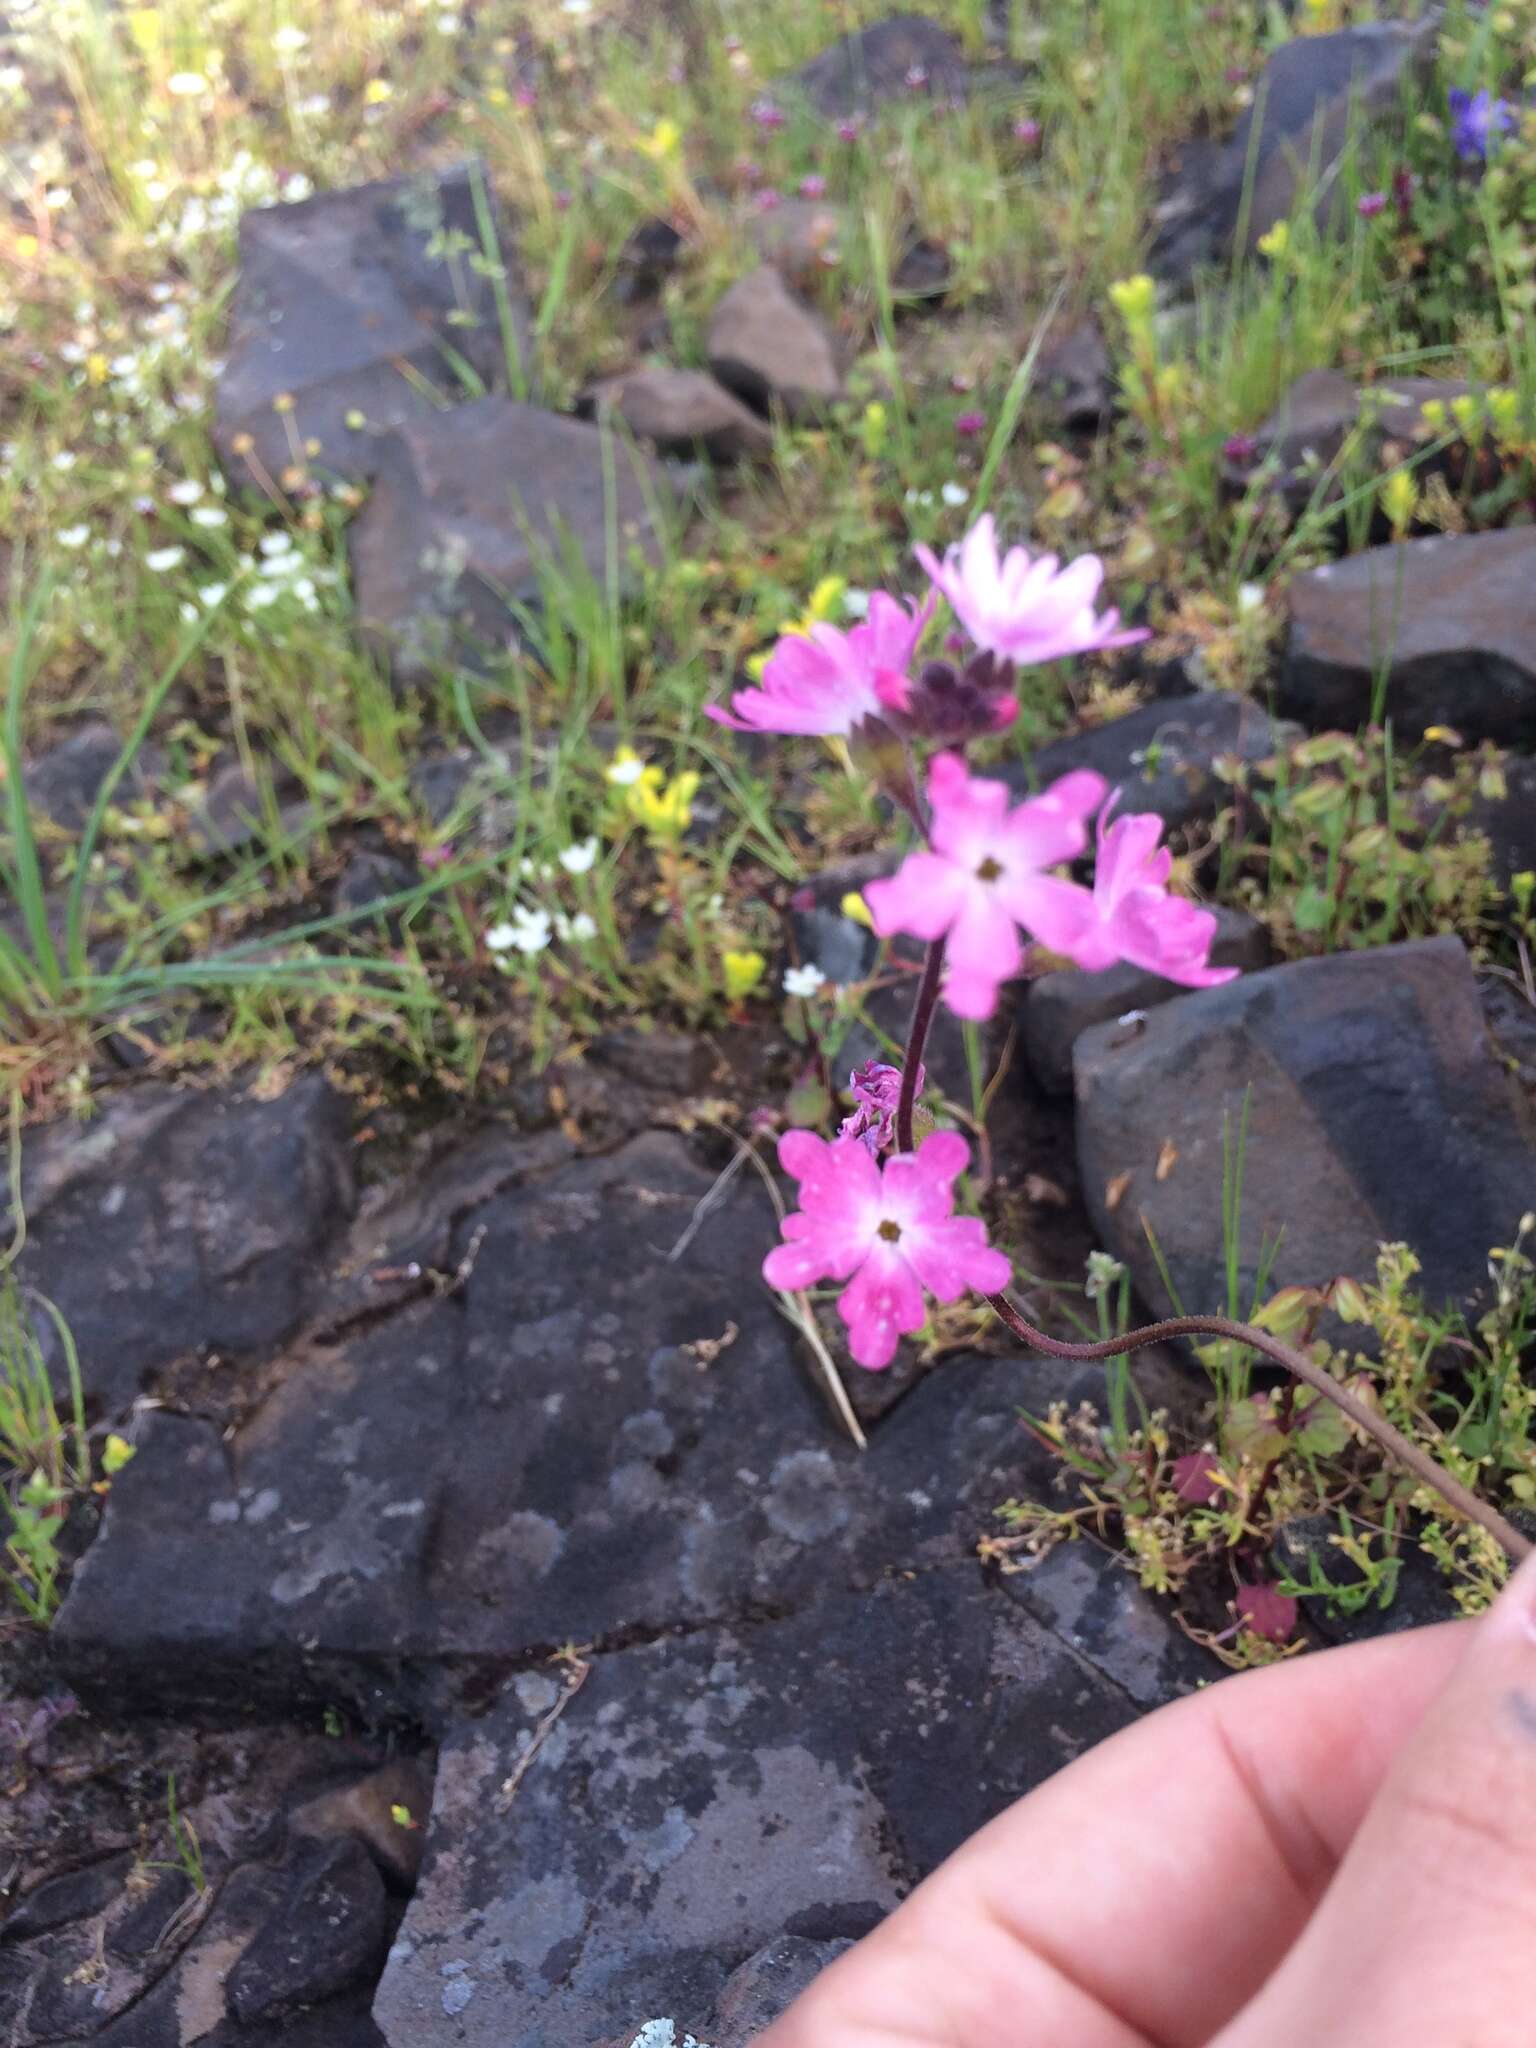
(1337, 1850)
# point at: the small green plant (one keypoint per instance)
(188, 1850)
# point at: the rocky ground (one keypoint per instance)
(495, 1637)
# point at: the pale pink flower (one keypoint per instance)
(876, 1091)
(1134, 917)
(1024, 608)
(827, 681)
(985, 875)
(889, 1231)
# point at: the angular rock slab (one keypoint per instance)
(1377, 1111)
(681, 411)
(553, 1452)
(698, 1797)
(1312, 92)
(771, 349)
(178, 1222)
(904, 57)
(1309, 429)
(1162, 758)
(465, 507)
(1451, 620)
(340, 298)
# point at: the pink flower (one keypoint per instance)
(827, 681)
(876, 1090)
(986, 875)
(889, 1231)
(1134, 918)
(1024, 608)
(814, 186)
(1369, 204)
(968, 423)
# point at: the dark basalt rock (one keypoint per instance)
(681, 411)
(698, 1797)
(328, 1937)
(465, 505)
(1312, 92)
(771, 349)
(905, 56)
(179, 1223)
(1376, 1110)
(340, 299)
(1450, 621)
(1300, 445)
(1162, 758)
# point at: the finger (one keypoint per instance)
(1144, 1894)
(1429, 1932)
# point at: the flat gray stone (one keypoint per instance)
(1450, 621)
(771, 349)
(340, 299)
(681, 411)
(1302, 443)
(1377, 1111)
(465, 506)
(699, 1798)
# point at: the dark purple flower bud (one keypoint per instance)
(1240, 448)
(1369, 204)
(969, 423)
(950, 705)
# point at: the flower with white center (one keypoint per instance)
(288, 40)
(163, 560)
(525, 931)
(72, 536)
(186, 85)
(953, 493)
(209, 515)
(186, 491)
(577, 859)
(803, 981)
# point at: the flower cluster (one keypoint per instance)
(988, 880)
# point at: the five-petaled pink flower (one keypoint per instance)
(889, 1231)
(825, 680)
(1024, 608)
(1134, 917)
(986, 874)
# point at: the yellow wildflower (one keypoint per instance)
(853, 906)
(1399, 496)
(743, 971)
(1275, 241)
(662, 142)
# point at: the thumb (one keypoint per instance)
(1428, 1932)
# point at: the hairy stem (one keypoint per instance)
(917, 1038)
(1418, 1462)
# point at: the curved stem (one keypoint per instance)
(917, 1037)
(1418, 1462)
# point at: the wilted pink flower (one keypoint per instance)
(825, 680)
(1024, 608)
(1134, 918)
(1240, 447)
(1369, 204)
(1268, 1612)
(813, 186)
(968, 423)
(951, 705)
(986, 875)
(437, 856)
(889, 1231)
(876, 1091)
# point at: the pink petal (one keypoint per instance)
(953, 1256)
(983, 952)
(882, 1303)
(923, 897)
(1056, 913)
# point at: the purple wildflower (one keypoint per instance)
(969, 423)
(1240, 448)
(1026, 132)
(876, 1091)
(767, 115)
(1369, 204)
(1477, 122)
(813, 187)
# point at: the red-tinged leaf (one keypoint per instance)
(1193, 1480)
(1267, 1611)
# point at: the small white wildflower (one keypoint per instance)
(576, 6)
(527, 931)
(316, 104)
(209, 515)
(803, 981)
(162, 293)
(185, 491)
(65, 460)
(1104, 1272)
(163, 560)
(213, 593)
(186, 85)
(583, 928)
(953, 493)
(500, 939)
(71, 352)
(12, 78)
(72, 536)
(448, 24)
(113, 547)
(274, 544)
(625, 771)
(124, 365)
(189, 612)
(856, 603)
(1250, 598)
(577, 859)
(288, 40)
(297, 187)
(260, 595)
(57, 198)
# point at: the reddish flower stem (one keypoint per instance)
(1419, 1463)
(917, 1037)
